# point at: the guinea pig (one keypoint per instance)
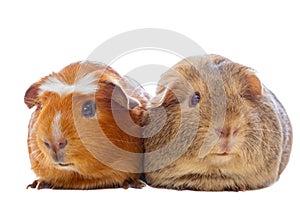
(85, 132)
(215, 127)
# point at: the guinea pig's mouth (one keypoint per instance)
(222, 154)
(65, 164)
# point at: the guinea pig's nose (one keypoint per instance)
(226, 132)
(57, 145)
(62, 144)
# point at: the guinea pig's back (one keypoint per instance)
(286, 128)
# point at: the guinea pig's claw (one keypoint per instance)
(38, 184)
(138, 184)
(33, 184)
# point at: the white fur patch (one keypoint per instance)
(56, 128)
(84, 85)
(93, 62)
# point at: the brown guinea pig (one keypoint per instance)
(214, 127)
(85, 132)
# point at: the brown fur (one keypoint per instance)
(89, 140)
(238, 137)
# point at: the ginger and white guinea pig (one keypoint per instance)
(215, 127)
(85, 132)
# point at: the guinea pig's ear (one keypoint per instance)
(164, 97)
(31, 95)
(159, 99)
(120, 96)
(254, 87)
(123, 94)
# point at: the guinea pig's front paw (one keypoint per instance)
(40, 184)
(134, 183)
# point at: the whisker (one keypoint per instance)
(255, 142)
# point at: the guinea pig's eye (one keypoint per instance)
(195, 99)
(88, 109)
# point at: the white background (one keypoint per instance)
(38, 38)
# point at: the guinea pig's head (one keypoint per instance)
(79, 111)
(206, 108)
